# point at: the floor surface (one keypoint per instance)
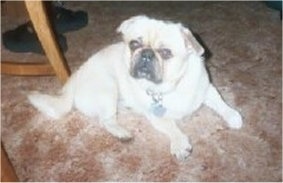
(244, 40)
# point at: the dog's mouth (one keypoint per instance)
(145, 66)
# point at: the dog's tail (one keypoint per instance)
(54, 106)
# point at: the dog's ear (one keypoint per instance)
(126, 25)
(190, 41)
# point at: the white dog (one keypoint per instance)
(157, 70)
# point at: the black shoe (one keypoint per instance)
(24, 39)
(65, 20)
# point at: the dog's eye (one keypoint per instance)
(165, 53)
(134, 44)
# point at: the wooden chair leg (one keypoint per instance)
(7, 171)
(41, 23)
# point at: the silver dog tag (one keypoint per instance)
(158, 110)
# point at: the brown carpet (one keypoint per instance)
(245, 42)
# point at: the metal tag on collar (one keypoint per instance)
(156, 107)
(158, 110)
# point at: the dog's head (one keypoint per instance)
(157, 49)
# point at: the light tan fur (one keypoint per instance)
(103, 83)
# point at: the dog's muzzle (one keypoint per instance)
(145, 66)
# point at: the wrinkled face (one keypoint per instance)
(157, 49)
(148, 62)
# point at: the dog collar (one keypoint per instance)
(156, 107)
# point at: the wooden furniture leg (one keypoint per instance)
(7, 171)
(41, 23)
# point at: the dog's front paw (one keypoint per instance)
(234, 119)
(181, 148)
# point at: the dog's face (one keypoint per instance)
(157, 50)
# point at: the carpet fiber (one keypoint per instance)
(244, 40)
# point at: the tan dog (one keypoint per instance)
(157, 71)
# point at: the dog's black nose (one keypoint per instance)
(147, 55)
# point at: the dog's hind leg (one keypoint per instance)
(115, 129)
(108, 118)
(230, 115)
(101, 101)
